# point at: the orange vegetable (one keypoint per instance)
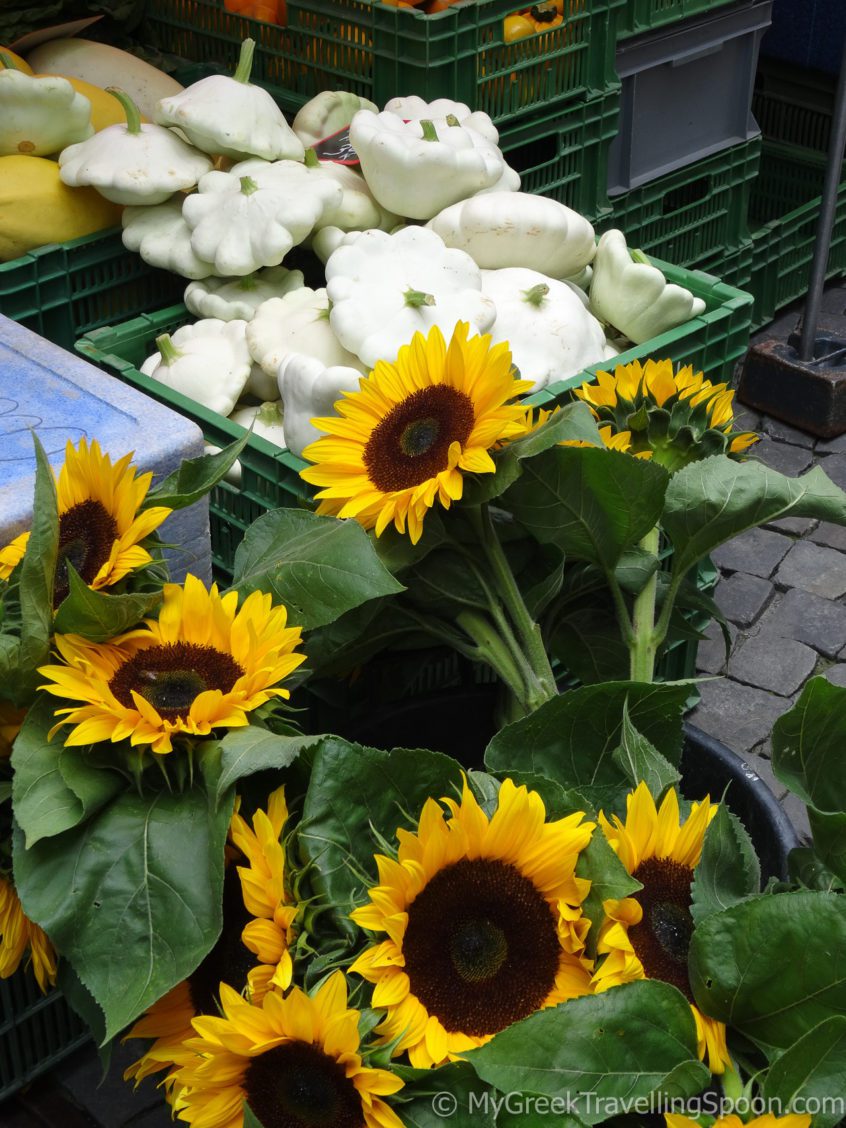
(517, 26)
(270, 11)
(545, 16)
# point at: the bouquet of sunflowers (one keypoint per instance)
(295, 928)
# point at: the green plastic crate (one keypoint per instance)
(379, 51)
(563, 153)
(794, 105)
(64, 290)
(36, 1031)
(639, 16)
(692, 213)
(269, 476)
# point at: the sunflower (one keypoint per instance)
(233, 958)
(484, 923)
(295, 1060)
(100, 523)
(12, 555)
(612, 440)
(204, 664)
(403, 440)
(17, 934)
(679, 417)
(647, 935)
(270, 933)
(793, 1120)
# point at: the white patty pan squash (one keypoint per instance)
(267, 420)
(136, 163)
(162, 238)
(357, 209)
(550, 332)
(634, 297)
(414, 108)
(208, 362)
(252, 216)
(297, 322)
(40, 115)
(500, 229)
(231, 117)
(417, 168)
(385, 288)
(310, 390)
(237, 299)
(328, 113)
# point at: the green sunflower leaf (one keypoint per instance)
(194, 477)
(452, 1094)
(572, 738)
(810, 1074)
(55, 788)
(319, 567)
(573, 422)
(593, 504)
(352, 790)
(248, 750)
(609, 881)
(132, 898)
(600, 1054)
(715, 499)
(37, 578)
(829, 835)
(640, 760)
(728, 871)
(769, 966)
(808, 742)
(98, 616)
(250, 1118)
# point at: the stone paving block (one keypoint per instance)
(787, 459)
(798, 526)
(807, 618)
(711, 653)
(837, 674)
(833, 536)
(741, 597)
(834, 465)
(757, 552)
(784, 433)
(831, 446)
(738, 715)
(814, 568)
(762, 767)
(745, 419)
(778, 665)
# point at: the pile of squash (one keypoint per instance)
(54, 98)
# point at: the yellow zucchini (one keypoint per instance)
(103, 66)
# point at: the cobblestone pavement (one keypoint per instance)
(783, 592)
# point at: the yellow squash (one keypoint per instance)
(105, 108)
(36, 208)
(20, 64)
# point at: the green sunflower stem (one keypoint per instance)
(493, 650)
(644, 643)
(544, 687)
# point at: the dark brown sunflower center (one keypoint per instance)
(296, 1085)
(662, 938)
(412, 442)
(171, 677)
(86, 535)
(229, 960)
(481, 947)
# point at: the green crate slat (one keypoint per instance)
(564, 153)
(36, 1031)
(794, 105)
(379, 51)
(270, 476)
(693, 212)
(639, 16)
(784, 209)
(63, 290)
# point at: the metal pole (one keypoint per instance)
(826, 221)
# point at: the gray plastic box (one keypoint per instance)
(686, 93)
